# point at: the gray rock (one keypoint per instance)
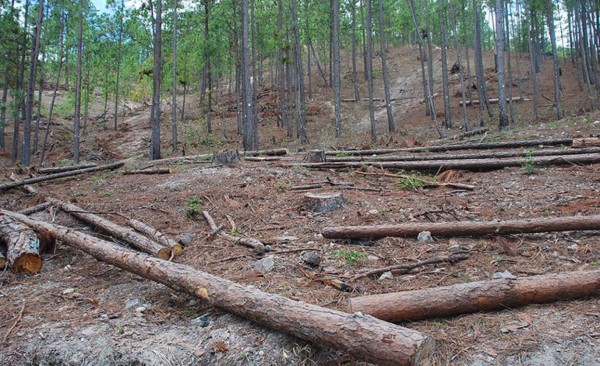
(202, 321)
(311, 259)
(133, 303)
(424, 237)
(186, 238)
(265, 265)
(506, 275)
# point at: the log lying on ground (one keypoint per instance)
(362, 336)
(493, 101)
(425, 182)
(36, 208)
(160, 237)
(271, 152)
(6, 186)
(255, 244)
(467, 164)
(465, 228)
(478, 296)
(22, 245)
(148, 171)
(440, 148)
(485, 155)
(192, 159)
(119, 232)
(60, 169)
(586, 142)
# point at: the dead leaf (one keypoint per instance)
(219, 346)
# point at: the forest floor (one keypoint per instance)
(79, 311)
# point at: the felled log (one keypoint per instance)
(478, 296)
(469, 146)
(270, 152)
(586, 142)
(262, 158)
(160, 237)
(493, 101)
(363, 336)
(426, 182)
(119, 232)
(467, 164)
(37, 208)
(324, 202)
(23, 182)
(255, 244)
(315, 156)
(191, 159)
(465, 228)
(226, 157)
(148, 171)
(484, 155)
(22, 246)
(60, 169)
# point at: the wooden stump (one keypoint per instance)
(315, 156)
(324, 202)
(228, 157)
(23, 246)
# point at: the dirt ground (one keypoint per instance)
(79, 311)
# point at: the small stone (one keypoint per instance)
(68, 291)
(424, 237)
(186, 238)
(573, 248)
(141, 309)
(201, 321)
(268, 248)
(311, 259)
(371, 257)
(265, 265)
(133, 303)
(455, 249)
(67, 268)
(386, 275)
(506, 275)
(373, 212)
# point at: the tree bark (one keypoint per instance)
(386, 86)
(478, 296)
(156, 80)
(160, 237)
(586, 142)
(550, 14)
(369, 67)
(22, 246)
(444, 46)
(500, 44)
(119, 232)
(493, 101)
(2, 261)
(6, 186)
(465, 228)
(354, 68)
(336, 67)
(362, 336)
(77, 116)
(174, 91)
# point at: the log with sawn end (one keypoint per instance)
(362, 336)
(478, 296)
(119, 232)
(255, 244)
(5, 186)
(465, 228)
(160, 237)
(22, 245)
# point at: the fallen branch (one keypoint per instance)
(119, 232)
(149, 171)
(478, 296)
(12, 327)
(36, 208)
(468, 164)
(6, 186)
(160, 237)
(333, 282)
(466, 228)
(271, 152)
(255, 244)
(60, 169)
(363, 336)
(262, 158)
(405, 267)
(426, 182)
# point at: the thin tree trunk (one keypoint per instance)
(174, 101)
(481, 89)
(532, 58)
(503, 116)
(386, 86)
(118, 71)
(354, 71)
(156, 79)
(207, 59)
(336, 66)
(247, 88)
(444, 45)
(308, 60)
(3, 107)
(254, 79)
(281, 67)
(78, 86)
(370, 73)
(511, 107)
(461, 74)
(550, 14)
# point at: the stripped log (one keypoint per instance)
(60, 169)
(255, 244)
(586, 142)
(22, 246)
(148, 171)
(360, 335)
(478, 296)
(468, 164)
(485, 155)
(23, 182)
(160, 237)
(465, 228)
(119, 232)
(440, 148)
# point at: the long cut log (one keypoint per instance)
(467, 164)
(360, 335)
(484, 155)
(119, 232)
(22, 246)
(5, 186)
(439, 148)
(160, 237)
(60, 169)
(148, 171)
(465, 228)
(271, 152)
(478, 296)
(493, 101)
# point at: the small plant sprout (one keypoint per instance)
(529, 164)
(349, 256)
(192, 206)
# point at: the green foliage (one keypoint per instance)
(349, 256)
(529, 164)
(412, 181)
(193, 206)
(284, 186)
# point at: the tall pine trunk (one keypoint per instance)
(354, 71)
(444, 45)
(386, 86)
(503, 116)
(246, 87)
(156, 79)
(550, 14)
(370, 73)
(336, 66)
(174, 100)
(300, 100)
(78, 86)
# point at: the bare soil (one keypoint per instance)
(78, 311)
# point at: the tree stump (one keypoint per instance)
(22, 246)
(324, 202)
(315, 156)
(227, 157)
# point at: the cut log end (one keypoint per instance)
(324, 202)
(27, 263)
(165, 253)
(177, 249)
